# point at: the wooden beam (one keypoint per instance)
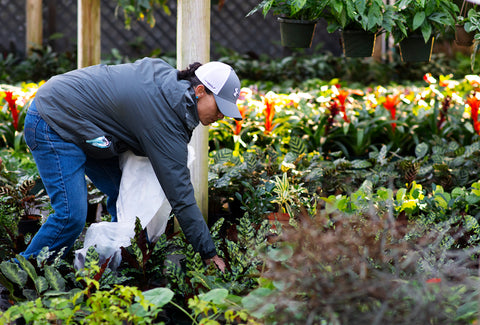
(193, 44)
(34, 29)
(88, 21)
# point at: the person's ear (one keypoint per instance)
(200, 91)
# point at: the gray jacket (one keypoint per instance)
(137, 106)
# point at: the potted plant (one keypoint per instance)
(472, 26)
(360, 21)
(416, 24)
(297, 18)
(467, 19)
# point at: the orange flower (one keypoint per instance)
(391, 102)
(238, 124)
(269, 113)
(10, 99)
(434, 280)
(474, 104)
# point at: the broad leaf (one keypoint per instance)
(27, 266)
(421, 150)
(54, 278)
(217, 296)
(418, 19)
(41, 284)
(14, 273)
(159, 296)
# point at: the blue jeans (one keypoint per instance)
(62, 166)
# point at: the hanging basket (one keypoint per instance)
(414, 49)
(296, 33)
(463, 38)
(358, 43)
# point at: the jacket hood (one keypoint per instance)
(179, 95)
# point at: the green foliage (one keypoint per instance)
(292, 9)
(119, 305)
(42, 64)
(425, 17)
(141, 9)
(364, 14)
(143, 261)
(29, 279)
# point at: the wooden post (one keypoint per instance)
(88, 23)
(34, 30)
(193, 44)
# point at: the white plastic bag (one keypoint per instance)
(140, 196)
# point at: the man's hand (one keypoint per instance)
(218, 262)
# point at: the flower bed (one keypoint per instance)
(381, 187)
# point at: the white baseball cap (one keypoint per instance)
(223, 82)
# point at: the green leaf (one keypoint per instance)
(426, 32)
(254, 302)
(297, 146)
(30, 294)
(217, 296)
(54, 278)
(27, 266)
(421, 150)
(41, 284)
(418, 19)
(14, 273)
(297, 5)
(159, 296)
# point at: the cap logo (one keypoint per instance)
(210, 84)
(235, 93)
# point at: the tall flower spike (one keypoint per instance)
(238, 124)
(474, 104)
(269, 113)
(12, 106)
(342, 98)
(391, 102)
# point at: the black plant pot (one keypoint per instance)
(29, 224)
(296, 33)
(358, 43)
(414, 49)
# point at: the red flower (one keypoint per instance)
(391, 102)
(434, 280)
(429, 78)
(10, 99)
(474, 104)
(342, 98)
(269, 113)
(333, 112)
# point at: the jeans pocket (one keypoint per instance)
(29, 131)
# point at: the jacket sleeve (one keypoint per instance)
(167, 148)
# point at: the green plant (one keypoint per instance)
(29, 280)
(472, 25)
(368, 15)
(425, 17)
(143, 261)
(117, 305)
(293, 9)
(141, 9)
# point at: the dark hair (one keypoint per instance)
(189, 75)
